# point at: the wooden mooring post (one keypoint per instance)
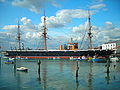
(15, 64)
(39, 62)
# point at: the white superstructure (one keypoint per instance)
(109, 46)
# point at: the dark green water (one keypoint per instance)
(59, 75)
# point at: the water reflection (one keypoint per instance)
(60, 75)
(107, 78)
(108, 66)
(111, 70)
(90, 77)
(0, 64)
(108, 71)
(118, 67)
(39, 77)
(61, 66)
(44, 74)
(77, 82)
(17, 77)
(77, 70)
(72, 67)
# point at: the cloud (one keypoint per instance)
(64, 17)
(112, 31)
(25, 25)
(55, 4)
(28, 31)
(53, 22)
(98, 1)
(81, 34)
(101, 0)
(100, 34)
(98, 6)
(10, 27)
(2, 0)
(32, 33)
(34, 5)
(81, 28)
(28, 35)
(26, 21)
(72, 13)
(7, 40)
(61, 19)
(108, 23)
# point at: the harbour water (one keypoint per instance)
(59, 75)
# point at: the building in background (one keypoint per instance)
(69, 46)
(115, 45)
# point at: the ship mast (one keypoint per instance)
(45, 33)
(19, 35)
(89, 33)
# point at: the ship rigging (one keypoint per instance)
(45, 32)
(19, 38)
(90, 27)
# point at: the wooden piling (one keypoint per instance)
(15, 64)
(39, 62)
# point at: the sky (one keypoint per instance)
(65, 19)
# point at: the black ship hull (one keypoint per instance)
(66, 54)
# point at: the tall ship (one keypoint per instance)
(66, 52)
